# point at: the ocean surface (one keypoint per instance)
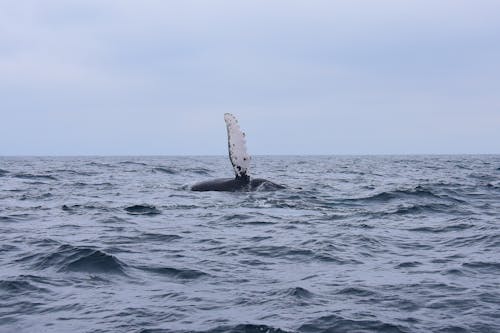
(353, 244)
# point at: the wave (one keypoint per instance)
(199, 171)
(454, 272)
(154, 237)
(455, 329)
(299, 292)
(94, 261)
(357, 291)
(3, 172)
(35, 279)
(335, 323)
(421, 209)
(105, 184)
(34, 177)
(237, 217)
(17, 286)
(417, 193)
(143, 238)
(397, 194)
(245, 328)
(7, 247)
(99, 186)
(408, 264)
(440, 229)
(73, 172)
(76, 207)
(133, 163)
(36, 197)
(99, 164)
(274, 251)
(493, 185)
(483, 266)
(68, 258)
(6, 218)
(483, 176)
(168, 171)
(44, 242)
(472, 240)
(69, 208)
(298, 254)
(240, 328)
(142, 210)
(178, 273)
(15, 217)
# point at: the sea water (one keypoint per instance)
(353, 244)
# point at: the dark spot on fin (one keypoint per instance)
(243, 178)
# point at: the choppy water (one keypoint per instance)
(354, 244)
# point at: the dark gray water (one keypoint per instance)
(354, 244)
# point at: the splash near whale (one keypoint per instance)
(240, 161)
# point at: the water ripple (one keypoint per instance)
(352, 244)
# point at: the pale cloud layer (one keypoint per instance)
(303, 77)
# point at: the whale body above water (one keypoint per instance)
(241, 162)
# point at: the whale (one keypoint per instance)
(240, 161)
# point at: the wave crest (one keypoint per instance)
(68, 258)
(142, 210)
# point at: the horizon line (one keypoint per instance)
(262, 155)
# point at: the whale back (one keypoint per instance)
(237, 147)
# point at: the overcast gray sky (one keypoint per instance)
(303, 77)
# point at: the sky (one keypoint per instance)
(99, 77)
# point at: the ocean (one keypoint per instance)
(352, 244)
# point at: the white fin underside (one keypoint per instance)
(237, 146)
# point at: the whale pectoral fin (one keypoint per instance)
(237, 147)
